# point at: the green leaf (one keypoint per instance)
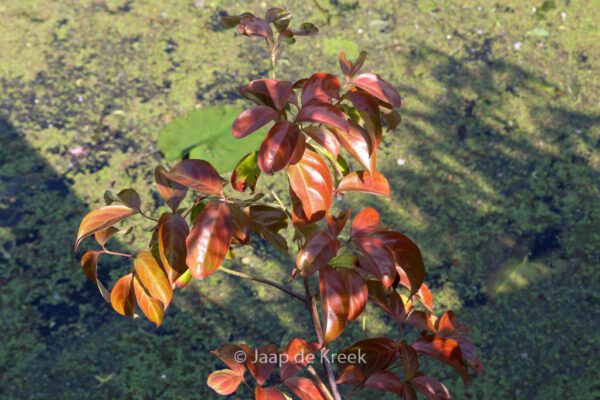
(205, 134)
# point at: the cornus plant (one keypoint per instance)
(314, 124)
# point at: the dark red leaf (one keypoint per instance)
(171, 192)
(377, 354)
(224, 381)
(368, 108)
(323, 113)
(362, 181)
(306, 29)
(270, 92)
(172, 232)
(386, 381)
(278, 17)
(357, 142)
(251, 120)
(378, 258)
(304, 388)
(408, 257)
(278, 147)
(352, 374)
(389, 300)
(431, 388)
(350, 69)
(422, 320)
(325, 138)
(321, 87)
(227, 354)
(365, 222)
(375, 86)
(469, 353)
(209, 239)
(250, 25)
(269, 217)
(297, 354)
(335, 302)
(299, 149)
(268, 393)
(316, 253)
(311, 182)
(102, 218)
(335, 225)
(122, 296)
(262, 362)
(198, 175)
(357, 292)
(444, 349)
(410, 361)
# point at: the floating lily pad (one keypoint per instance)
(205, 134)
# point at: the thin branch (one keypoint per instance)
(265, 281)
(311, 305)
(115, 253)
(319, 382)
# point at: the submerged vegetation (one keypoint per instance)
(494, 169)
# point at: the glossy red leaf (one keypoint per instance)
(350, 69)
(198, 175)
(89, 265)
(152, 308)
(250, 25)
(357, 142)
(311, 182)
(365, 222)
(100, 219)
(171, 192)
(299, 149)
(296, 356)
(323, 113)
(269, 217)
(335, 302)
(321, 87)
(277, 92)
(227, 354)
(388, 300)
(410, 361)
(270, 92)
(444, 349)
(246, 173)
(325, 138)
(172, 232)
(304, 388)
(377, 354)
(122, 295)
(448, 325)
(386, 381)
(425, 295)
(407, 255)
(262, 362)
(357, 292)
(335, 225)
(209, 239)
(368, 108)
(392, 118)
(153, 277)
(268, 393)
(224, 382)
(469, 353)
(351, 374)
(378, 257)
(278, 147)
(431, 388)
(251, 120)
(316, 253)
(361, 181)
(422, 320)
(377, 87)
